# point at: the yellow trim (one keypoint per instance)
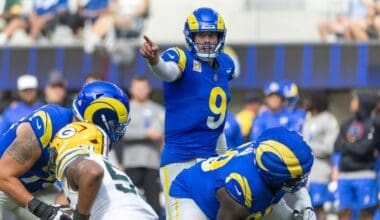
(107, 103)
(243, 182)
(193, 23)
(181, 58)
(176, 203)
(220, 25)
(281, 151)
(48, 128)
(64, 159)
(166, 183)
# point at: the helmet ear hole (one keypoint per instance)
(283, 158)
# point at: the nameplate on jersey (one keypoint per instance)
(197, 66)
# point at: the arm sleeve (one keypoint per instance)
(280, 211)
(167, 71)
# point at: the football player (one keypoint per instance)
(196, 93)
(26, 177)
(95, 188)
(247, 182)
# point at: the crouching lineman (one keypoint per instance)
(247, 182)
(93, 186)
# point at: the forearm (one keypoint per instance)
(88, 184)
(166, 71)
(15, 190)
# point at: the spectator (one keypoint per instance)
(91, 77)
(246, 116)
(369, 27)
(140, 150)
(356, 144)
(320, 131)
(27, 86)
(124, 17)
(55, 91)
(43, 18)
(339, 27)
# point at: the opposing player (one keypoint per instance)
(94, 187)
(196, 93)
(26, 177)
(247, 182)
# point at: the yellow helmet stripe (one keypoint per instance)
(193, 23)
(281, 151)
(107, 103)
(48, 128)
(220, 25)
(244, 185)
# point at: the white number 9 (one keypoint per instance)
(219, 109)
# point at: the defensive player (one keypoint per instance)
(94, 187)
(247, 182)
(196, 93)
(26, 177)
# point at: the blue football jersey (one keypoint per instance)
(268, 119)
(297, 119)
(237, 172)
(196, 106)
(232, 131)
(46, 121)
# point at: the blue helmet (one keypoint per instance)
(104, 104)
(283, 159)
(273, 87)
(290, 91)
(204, 20)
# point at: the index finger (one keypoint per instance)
(146, 38)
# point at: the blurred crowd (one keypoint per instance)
(345, 175)
(65, 22)
(352, 20)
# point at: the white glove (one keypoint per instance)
(307, 213)
(302, 207)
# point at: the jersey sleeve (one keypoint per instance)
(66, 158)
(238, 188)
(176, 55)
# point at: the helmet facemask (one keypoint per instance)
(204, 20)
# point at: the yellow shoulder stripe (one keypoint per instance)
(182, 58)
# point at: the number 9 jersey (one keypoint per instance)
(196, 106)
(117, 196)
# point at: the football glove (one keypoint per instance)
(45, 211)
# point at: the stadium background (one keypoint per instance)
(273, 40)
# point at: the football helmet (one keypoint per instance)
(77, 138)
(204, 20)
(290, 91)
(273, 87)
(104, 104)
(283, 158)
